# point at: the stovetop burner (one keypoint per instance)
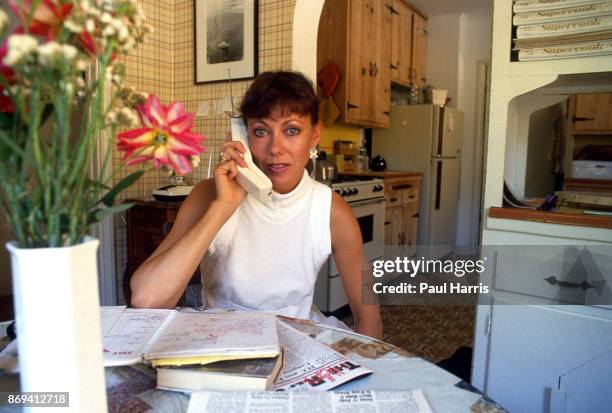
(347, 179)
(358, 188)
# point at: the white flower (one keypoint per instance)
(82, 64)
(73, 25)
(52, 52)
(128, 117)
(19, 47)
(3, 20)
(195, 160)
(90, 25)
(80, 82)
(111, 116)
(108, 31)
(106, 18)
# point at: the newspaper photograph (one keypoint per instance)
(410, 401)
(310, 365)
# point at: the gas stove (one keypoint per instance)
(366, 197)
(353, 188)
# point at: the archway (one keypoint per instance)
(306, 17)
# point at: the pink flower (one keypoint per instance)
(46, 20)
(165, 137)
(6, 104)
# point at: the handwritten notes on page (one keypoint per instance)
(194, 334)
(126, 340)
(108, 317)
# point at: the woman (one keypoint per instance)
(254, 255)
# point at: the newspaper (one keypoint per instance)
(310, 365)
(410, 401)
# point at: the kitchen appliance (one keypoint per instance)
(172, 193)
(378, 164)
(325, 170)
(427, 138)
(366, 197)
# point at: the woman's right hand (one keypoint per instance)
(227, 187)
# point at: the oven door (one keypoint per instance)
(370, 216)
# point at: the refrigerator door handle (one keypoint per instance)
(438, 184)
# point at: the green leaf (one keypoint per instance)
(92, 184)
(126, 182)
(98, 215)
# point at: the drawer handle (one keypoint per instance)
(403, 186)
(387, 222)
(581, 119)
(552, 280)
(393, 199)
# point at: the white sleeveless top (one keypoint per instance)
(267, 256)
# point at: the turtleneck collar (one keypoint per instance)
(284, 206)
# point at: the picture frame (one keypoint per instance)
(225, 37)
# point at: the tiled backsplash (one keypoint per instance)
(164, 65)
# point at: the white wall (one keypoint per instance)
(520, 111)
(457, 43)
(443, 53)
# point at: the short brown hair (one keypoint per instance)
(291, 91)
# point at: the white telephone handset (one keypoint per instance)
(251, 178)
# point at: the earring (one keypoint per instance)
(313, 153)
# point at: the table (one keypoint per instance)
(132, 388)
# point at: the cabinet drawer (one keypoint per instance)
(401, 193)
(151, 216)
(571, 274)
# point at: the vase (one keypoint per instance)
(57, 315)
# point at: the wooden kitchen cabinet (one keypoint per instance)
(401, 204)
(401, 210)
(401, 43)
(591, 113)
(148, 223)
(408, 45)
(419, 50)
(356, 36)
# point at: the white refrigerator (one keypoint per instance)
(427, 139)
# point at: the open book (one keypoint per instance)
(171, 337)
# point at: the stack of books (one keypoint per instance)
(555, 29)
(193, 350)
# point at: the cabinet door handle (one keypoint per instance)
(386, 113)
(387, 222)
(391, 9)
(393, 199)
(349, 105)
(581, 119)
(402, 186)
(371, 68)
(552, 280)
(392, 66)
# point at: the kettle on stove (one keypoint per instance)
(378, 164)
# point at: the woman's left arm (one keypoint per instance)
(347, 248)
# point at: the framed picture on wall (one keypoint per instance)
(225, 38)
